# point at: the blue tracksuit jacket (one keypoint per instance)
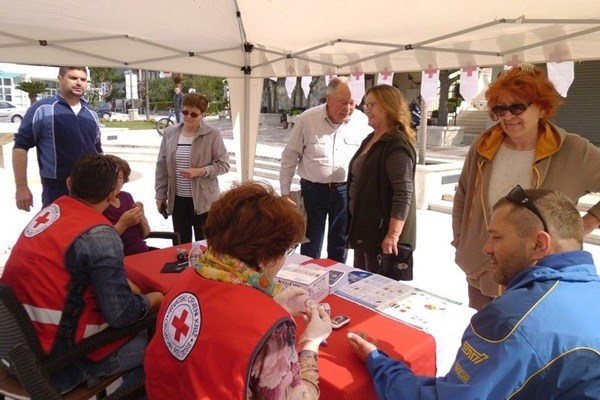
(539, 340)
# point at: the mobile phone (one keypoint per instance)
(339, 320)
(163, 212)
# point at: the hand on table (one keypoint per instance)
(362, 344)
(318, 328)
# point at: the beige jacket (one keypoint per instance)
(563, 161)
(208, 150)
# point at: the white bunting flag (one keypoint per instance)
(561, 74)
(357, 86)
(385, 78)
(290, 84)
(469, 77)
(430, 79)
(305, 83)
(328, 78)
(273, 78)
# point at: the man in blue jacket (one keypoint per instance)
(62, 128)
(541, 338)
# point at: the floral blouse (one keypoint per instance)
(278, 372)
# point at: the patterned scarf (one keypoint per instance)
(231, 270)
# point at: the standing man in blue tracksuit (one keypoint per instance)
(540, 339)
(62, 128)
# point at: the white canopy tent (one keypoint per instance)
(248, 40)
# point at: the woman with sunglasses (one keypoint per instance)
(192, 154)
(523, 148)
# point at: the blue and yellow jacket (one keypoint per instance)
(539, 340)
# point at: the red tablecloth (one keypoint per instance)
(343, 375)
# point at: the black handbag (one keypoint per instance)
(399, 268)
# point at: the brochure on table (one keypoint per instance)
(405, 303)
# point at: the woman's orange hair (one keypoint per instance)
(527, 84)
(252, 223)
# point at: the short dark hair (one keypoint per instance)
(122, 165)
(93, 177)
(253, 224)
(562, 218)
(63, 69)
(198, 100)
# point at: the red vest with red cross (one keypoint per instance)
(207, 336)
(37, 273)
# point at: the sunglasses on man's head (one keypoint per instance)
(517, 195)
(190, 113)
(515, 109)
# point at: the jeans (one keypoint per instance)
(321, 202)
(185, 218)
(178, 117)
(128, 360)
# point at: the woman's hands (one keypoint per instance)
(295, 300)
(189, 173)
(131, 217)
(318, 329)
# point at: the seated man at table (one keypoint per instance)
(224, 330)
(540, 339)
(67, 270)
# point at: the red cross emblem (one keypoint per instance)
(469, 70)
(430, 71)
(42, 219)
(386, 73)
(180, 326)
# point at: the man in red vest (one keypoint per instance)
(67, 270)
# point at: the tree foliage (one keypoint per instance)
(32, 88)
(161, 90)
(104, 82)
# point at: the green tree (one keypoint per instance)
(103, 82)
(161, 90)
(32, 88)
(445, 82)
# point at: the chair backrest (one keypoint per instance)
(173, 236)
(16, 327)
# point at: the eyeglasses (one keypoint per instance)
(515, 109)
(190, 113)
(369, 106)
(291, 250)
(517, 195)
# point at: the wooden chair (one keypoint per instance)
(25, 369)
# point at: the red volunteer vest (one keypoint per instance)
(37, 273)
(207, 336)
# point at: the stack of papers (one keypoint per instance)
(402, 302)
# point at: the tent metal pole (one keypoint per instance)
(423, 133)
